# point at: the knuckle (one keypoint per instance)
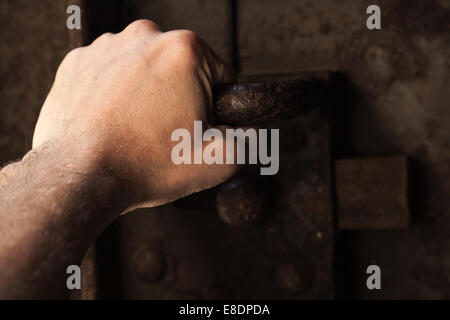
(141, 26)
(185, 38)
(184, 44)
(104, 37)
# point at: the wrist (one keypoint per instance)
(78, 170)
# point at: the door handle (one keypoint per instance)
(244, 104)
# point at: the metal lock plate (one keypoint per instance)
(287, 253)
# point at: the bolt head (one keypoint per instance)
(149, 263)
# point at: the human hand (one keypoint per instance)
(119, 100)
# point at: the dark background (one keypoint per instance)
(398, 105)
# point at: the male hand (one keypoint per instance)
(118, 100)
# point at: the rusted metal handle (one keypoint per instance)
(239, 200)
(259, 103)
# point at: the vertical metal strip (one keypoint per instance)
(79, 38)
(89, 274)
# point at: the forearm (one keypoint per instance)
(53, 204)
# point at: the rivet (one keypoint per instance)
(240, 200)
(149, 263)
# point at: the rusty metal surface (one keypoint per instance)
(294, 35)
(242, 200)
(259, 103)
(33, 41)
(396, 103)
(372, 193)
(211, 20)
